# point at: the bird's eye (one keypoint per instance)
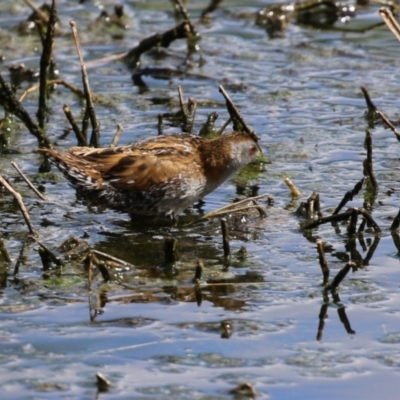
(253, 150)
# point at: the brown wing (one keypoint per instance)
(141, 172)
(144, 164)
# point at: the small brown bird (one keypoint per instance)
(158, 176)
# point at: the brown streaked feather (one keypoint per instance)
(144, 164)
(144, 173)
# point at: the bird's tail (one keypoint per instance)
(77, 171)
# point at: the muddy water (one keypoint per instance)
(151, 338)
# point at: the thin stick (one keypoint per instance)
(79, 136)
(351, 229)
(386, 120)
(330, 218)
(29, 183)
(322, 316)
(103, 384)
(208, 128)
(80, 93)
(230, 208)
(368, 217)
(260, 209)
(371, 106)
(182, 103)
(225, 237)
(396, 222)
(42, 15)
(90, 273)
(111, 258)
(349, 196)
(213, 5)
(117, 135)
(293, 189)
(170, 250)
(20, 255)
(344, 216)
(57, 260)
(160, 125)
(390, 22)
(95, 138)
(180, 31)
(234, 113)
(369, 171)
(223, 127)
(368, 144)
(322, 261)
(191, 112)
(3, 250)
(186, 17)
(11, 104)
(21, 205)
(199, 272)
(220, 212)
(340, 276)
(45, 61)
(115, 57)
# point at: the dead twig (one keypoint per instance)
(117, 135)
(186, 17)
(390, 21)
(116, 260)
(212, 6)
(29, 183)
(21, 205)
(3, 250)
(396, 222)
(238, 122)
(188, 112)
(340, 276)
(373, 110)
(369, 172)
(351, 229)
(80, 93)
(322, 262)
(95, 137)
(349, 196)
(352, 212)
(43, 16)
(371, 106)
(330, 218)
(170, 250)
(225, 237)
(223, 127)
(180, 31)
(82, 141)
(20, 255)
(293, 189)
(46, 60)
(48, 255)
(208, 129)
(232, 208)
(369, 219)
(386, 120)
(198, 272)
(103, 384)
(13, 106)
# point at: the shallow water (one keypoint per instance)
(301, 94)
